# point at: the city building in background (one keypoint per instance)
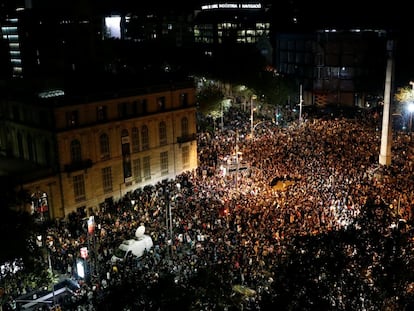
(88, 148)
(44, 43)
(336, 67)
(235, 22)
(232, 25)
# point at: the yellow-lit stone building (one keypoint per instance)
(89, 150)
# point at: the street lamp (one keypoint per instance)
(251, 116)
(300, 103)
(410, 108)
(222, 113)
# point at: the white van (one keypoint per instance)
(136, 247)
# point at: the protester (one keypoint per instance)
(304, 180)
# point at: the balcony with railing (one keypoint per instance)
(78, 165)
(186, 138)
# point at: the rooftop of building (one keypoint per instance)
(78, 89)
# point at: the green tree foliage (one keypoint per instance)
(16, 227)
(403, 96)
(275, 89)
(13, 235)
(209, 100)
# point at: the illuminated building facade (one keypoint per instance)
(92, 149)
(10, 34)
(231, 22)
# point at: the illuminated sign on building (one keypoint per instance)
(113, 27)
(231, 6)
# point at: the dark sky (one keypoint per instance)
(353, 12)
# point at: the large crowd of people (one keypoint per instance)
(312, 223)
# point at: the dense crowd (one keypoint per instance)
(330, 234)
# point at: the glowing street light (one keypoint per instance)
(410, 108)
(251, 116)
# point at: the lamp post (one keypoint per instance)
(222, 112)
(41, 242)
(168, 215)
(410, 108)
(237, 158)
(251, 116)
(300, 104)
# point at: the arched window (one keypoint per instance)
(184, 127)
(75, 151)
(135, 139)
(162, 132)
(104, 145)
(145, 137)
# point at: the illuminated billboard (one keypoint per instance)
(113, 27)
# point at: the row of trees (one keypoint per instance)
(246, 69)
(271, 89)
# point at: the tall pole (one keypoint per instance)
(300, 103)
(411, 108)
(222, 112)
(277, 115)
(171, 232)
(166, 205)
(386, 134)
(251, 118)
(237, 160)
